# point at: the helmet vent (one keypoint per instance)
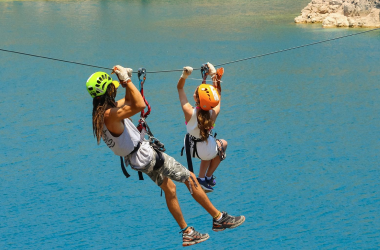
(97, 83)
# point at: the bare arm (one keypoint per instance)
(186, 107)
(124, 101)
(216, 110)
(133, 103)
(130, 105)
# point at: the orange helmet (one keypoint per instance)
(208, 96)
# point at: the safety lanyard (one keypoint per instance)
(142, 73)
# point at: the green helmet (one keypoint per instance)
(97, 84)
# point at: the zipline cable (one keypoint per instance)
(55, 59)
(301, 46)
(180, 70)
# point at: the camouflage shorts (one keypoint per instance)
(171, 169)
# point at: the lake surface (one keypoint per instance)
(302, 126)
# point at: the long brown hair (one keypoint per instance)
(205, 123)
(100, 105)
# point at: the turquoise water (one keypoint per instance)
(303, 126)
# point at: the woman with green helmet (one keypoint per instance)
(111, 123)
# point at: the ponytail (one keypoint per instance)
(204, 120)
(204, 123)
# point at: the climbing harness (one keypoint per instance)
(188, 155)
(143, 127)
(191, 141)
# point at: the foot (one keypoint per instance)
(205, 185)
(193, 238)
(227, 221)
(212, 181)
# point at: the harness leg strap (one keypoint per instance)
(160, 160)
(188, 155)
(221, 152)
(141, 177)
(123, 167)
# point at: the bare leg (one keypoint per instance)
(203, 168)
(216, 161)
(172, 202)
(200, 196)
(213, 166)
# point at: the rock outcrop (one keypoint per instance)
(342, 13)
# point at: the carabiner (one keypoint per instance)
(204, 72)
(141, 72)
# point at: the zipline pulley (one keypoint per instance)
(141, 72)
(204, 72)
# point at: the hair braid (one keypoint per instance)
(100, 105)
(204, 121)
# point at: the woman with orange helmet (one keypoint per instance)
(200, 120)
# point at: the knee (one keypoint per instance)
(169, 188)
(224, 142)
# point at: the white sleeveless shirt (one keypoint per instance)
(124, 144)
(206, 150)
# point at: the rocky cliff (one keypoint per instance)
(342, 13)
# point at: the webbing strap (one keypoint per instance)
(188, 155)
(143, 114)
(141, 178)
(195, 150)
(123, 168)
(142, 72)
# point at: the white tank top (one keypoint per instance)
(124, 144)
(192, 125)
(207, 150)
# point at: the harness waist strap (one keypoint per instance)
(136, 148)
(160, 160)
